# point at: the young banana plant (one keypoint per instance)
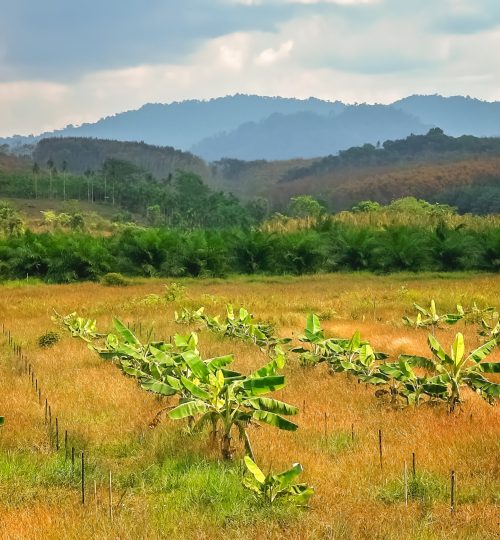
(404, 382)
(233, 402)
(490, 330)
(270, 487)
(314, 339)
(456, 370)
(342, 355)
(429, 318)
(240, 325)
(189, 316)
(85, 329)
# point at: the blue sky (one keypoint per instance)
(68, 61)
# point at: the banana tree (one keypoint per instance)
(475, 314)
(456, 370)
(233, 401)
(85, 329)
(490, 330)
(430, 318)
(404, 382)
(314, 339)
(240, 324)
(352, 355)
(157, 366)
(270, 487)
(189, 316)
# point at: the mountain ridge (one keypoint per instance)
(230, 126)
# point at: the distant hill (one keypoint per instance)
(456, 115)
(463, 171)
(81, 154)
(254, 127)
(308, 135)
(183, 124)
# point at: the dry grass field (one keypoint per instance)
(169, 484)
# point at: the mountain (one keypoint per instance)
(309, 135)
(255, 127)
(82, 154)
(182, 124)
(462, 171)
(456, 115)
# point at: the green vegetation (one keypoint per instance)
(49, 339)
(240, 325)
(415, 148)
(209, 393)
(180, 200)
(11, 222)
(457, 370)
(270, 487)
(445, 374)
(114, 279)
(330, 246)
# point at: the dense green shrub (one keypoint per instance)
(49, 339)
(114, 279)
(332, 246)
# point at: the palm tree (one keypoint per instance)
(50, 165)
(63, 169)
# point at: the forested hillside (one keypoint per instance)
(182, 124)
(249, 127)
(84, 154)
(463, 172)
(308, 135)
(457, 115)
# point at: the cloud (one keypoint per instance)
(271, 56)
(62, 63)
(61, 39)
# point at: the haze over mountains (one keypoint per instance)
(253, 127)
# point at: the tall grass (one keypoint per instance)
(173, 484)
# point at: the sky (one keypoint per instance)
(72, 61)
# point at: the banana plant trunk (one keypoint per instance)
(226, 449)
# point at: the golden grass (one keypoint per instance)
(108, 415)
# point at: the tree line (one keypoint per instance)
(327, 247)
(181, 200)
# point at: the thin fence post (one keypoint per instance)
(57, 434)
(46, 410)
(380, 448)
(65, 445)
(406, 483)
(95, 495)
(83, 477)
(453, 493)
(73, 458)
(110, 496)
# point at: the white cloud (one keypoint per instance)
(370, 58)
(270, 56)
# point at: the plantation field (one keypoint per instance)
(167, 483)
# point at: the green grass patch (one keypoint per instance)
(336, 442)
